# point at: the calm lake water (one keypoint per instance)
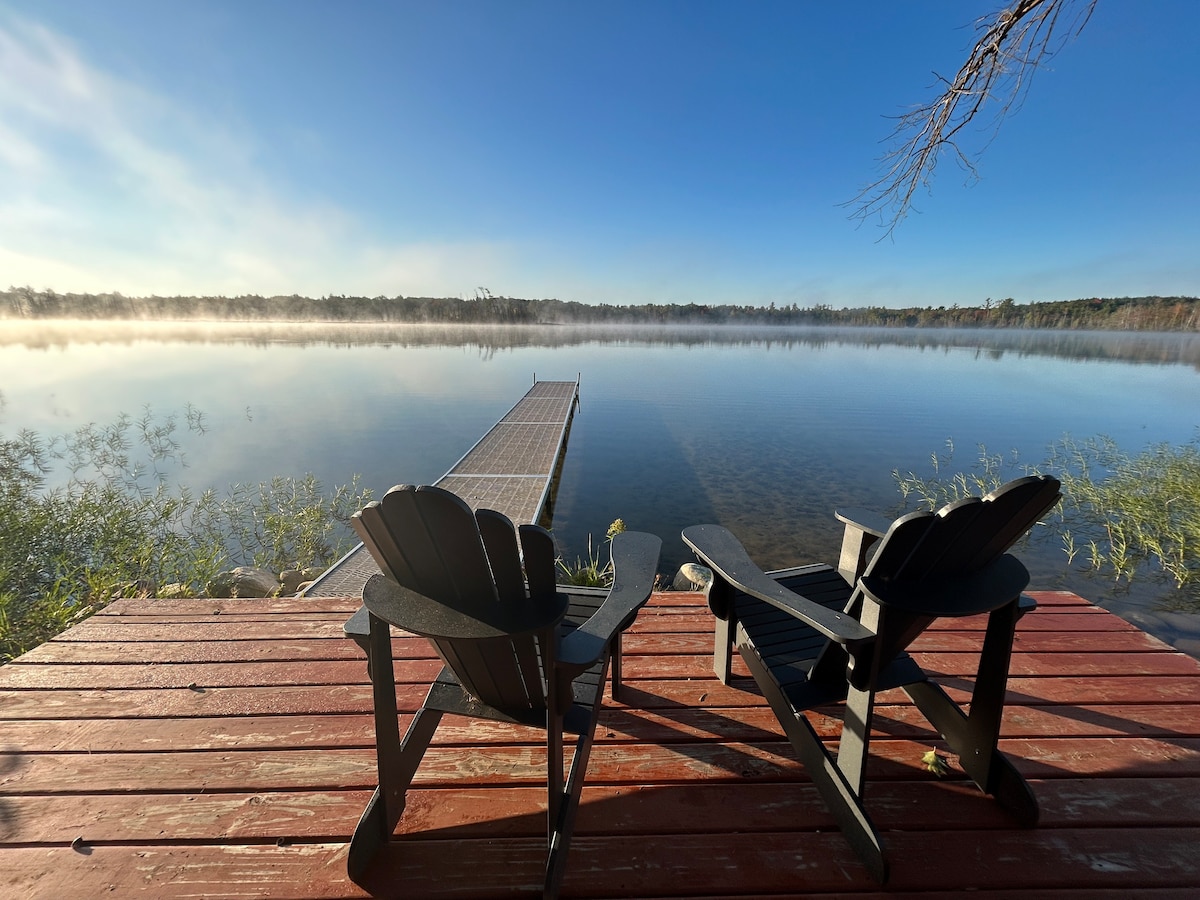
(764, 431)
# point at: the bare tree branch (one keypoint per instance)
(1012, 44)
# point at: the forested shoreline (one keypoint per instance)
(1112, 313)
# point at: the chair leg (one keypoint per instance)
(855, 741)
(974, 736)
(992, 771)
(565, 805)
(370, 834)
(396, 771)
(840, 794)
(564, 826)
(615, 684)
(396, 760)
(554, 775)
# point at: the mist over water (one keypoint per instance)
(765, 430)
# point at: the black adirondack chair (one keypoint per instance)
(516, 646)
(816, 635)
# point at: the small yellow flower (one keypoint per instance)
(935, 763)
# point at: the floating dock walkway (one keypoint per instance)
(511, 469)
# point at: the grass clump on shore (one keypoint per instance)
(1122, 513)
(90, 516)
(591, 572)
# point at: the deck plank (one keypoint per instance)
(194, 754)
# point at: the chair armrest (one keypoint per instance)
(725, 555)
(864, 520)
(997, 584)
(635, 561)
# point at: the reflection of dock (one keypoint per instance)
(511, 469)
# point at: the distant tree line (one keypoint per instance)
(1121, 314)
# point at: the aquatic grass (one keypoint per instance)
(1134, 512)
(90, 516)
(946, 485)
(1123, 514)
(591, 572)
(287, 522)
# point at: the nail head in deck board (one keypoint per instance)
(691, 785)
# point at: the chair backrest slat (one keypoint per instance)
(500, 542)
(537, 547)
(963, 536)
(429, 541)
(501, 672)
(950, 541)
(899, 543)
(960, 538)
(1017, 505)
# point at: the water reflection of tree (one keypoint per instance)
(1139, 347)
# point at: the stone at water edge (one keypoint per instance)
(692, 577)
(244, 581)
(292, 581)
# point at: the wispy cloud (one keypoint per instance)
(109, 185)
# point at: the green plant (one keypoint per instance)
(591, 573)
(988, 472)
(1134, 511)
(282, 523)
(90, 516)
(1124, 513)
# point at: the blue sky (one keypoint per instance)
(620, 152)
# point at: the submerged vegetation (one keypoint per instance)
(1124, 313)
(1122, 514)
(90, 516)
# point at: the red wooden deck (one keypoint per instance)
(224, 748)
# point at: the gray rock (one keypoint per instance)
(692, 577)
(244, 581)
(290, 580)
(1190, 646)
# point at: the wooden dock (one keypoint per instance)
(511, 469)
(221, 748)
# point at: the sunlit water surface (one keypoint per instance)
(763, 431)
